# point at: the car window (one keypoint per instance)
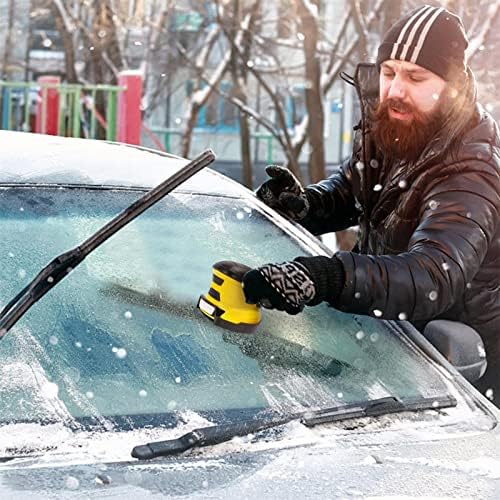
(121, 336)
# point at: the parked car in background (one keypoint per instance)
(320, 405)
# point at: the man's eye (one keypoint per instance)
(416, 79)
(388, 74)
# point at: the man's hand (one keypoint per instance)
(284, 193)
(286, 287)
(292, 285)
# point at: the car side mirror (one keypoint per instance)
(460, 344)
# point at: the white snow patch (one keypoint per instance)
(483, 466)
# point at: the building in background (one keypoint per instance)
(90, 42)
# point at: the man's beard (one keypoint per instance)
(404, 140)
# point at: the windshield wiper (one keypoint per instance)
(375, 408)
(207, 436)
(62, 265)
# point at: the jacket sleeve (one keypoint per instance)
(458, 220)
(332, 203)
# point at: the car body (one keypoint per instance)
(116, 355)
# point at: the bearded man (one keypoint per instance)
(423, 184)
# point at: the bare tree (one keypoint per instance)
(203, 85)
(309, 26)
(239, 76)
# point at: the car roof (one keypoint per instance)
(37, 158)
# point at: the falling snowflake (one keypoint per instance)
(433, 295)
(377, 313)
(360, 335)
(377, 187)
(374, 163)
(402, 316)
(445, 266)
(433, 204)
(481, 351)
(128, 315)
(72, 483)
(121, 353)
(357, 295)
(403, 184)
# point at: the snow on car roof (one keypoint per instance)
(37, 158)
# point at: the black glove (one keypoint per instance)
(286, 287)
(292, 285)
(284, 193)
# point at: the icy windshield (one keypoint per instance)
(121, 336)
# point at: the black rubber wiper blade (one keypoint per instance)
(63, 264)
(207, 436)
(216, 434)
(375, 408)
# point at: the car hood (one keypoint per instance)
(361, 459)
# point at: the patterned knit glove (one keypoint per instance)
(284, 193)
(286, 287)
(292, 285)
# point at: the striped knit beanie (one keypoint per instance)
(431, 37)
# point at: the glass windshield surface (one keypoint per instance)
(121, 336)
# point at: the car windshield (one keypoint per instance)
(121, 337)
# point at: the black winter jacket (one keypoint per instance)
(429, 244)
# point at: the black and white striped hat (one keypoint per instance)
(431, 37)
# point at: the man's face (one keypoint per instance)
(410, 111)
(409, 88)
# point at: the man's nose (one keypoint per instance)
(397, 90)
